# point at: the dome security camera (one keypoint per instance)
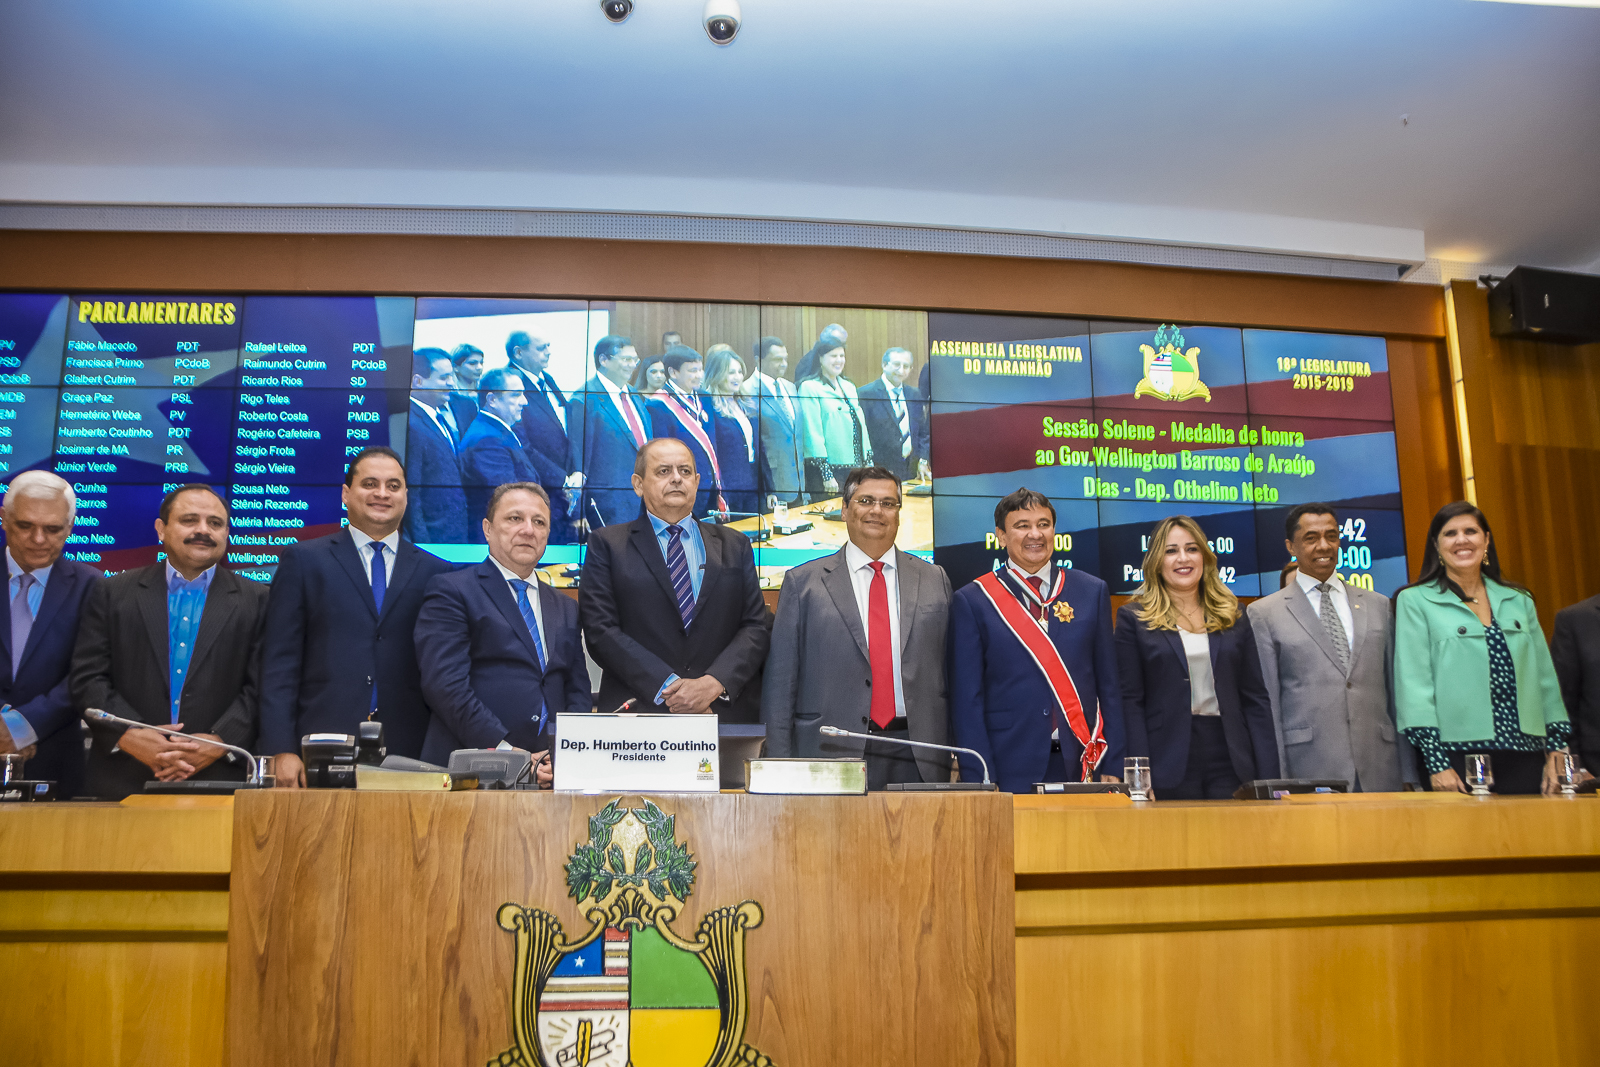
(721, 20)
(616, 10)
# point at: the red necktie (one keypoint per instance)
(628, 412)
(880, 648)
(1038, 589)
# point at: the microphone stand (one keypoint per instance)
(256, 765)
(834, 731)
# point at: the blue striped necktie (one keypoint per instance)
(678, 568)
(524, 606)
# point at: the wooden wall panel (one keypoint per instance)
(644, 270)
(1533, 414)
(1425, 435)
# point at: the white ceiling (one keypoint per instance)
(1268, 124)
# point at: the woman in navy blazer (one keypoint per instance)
(1192, 694)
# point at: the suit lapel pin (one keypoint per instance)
(1063, 611)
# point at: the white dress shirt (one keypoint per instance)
(533, 598)
(902, 414)
(778, 387)
(362, 541)
(1202, 683)
(620, 402)
(438, 417)
(1341, 602)
(860, 565)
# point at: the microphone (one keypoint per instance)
(624, 706)
(834, 731)
(253, 762)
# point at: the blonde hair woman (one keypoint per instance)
(736, 431)
(1192, 694)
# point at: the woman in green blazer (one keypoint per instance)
(835, 429)
(1472, 672)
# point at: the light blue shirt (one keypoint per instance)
(186, 603)
(694, 546)
(22, 731)
(694, 554)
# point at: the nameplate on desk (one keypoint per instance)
(637, 753)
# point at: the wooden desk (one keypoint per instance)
(372, 928)
(113, 932)
(1391, 929)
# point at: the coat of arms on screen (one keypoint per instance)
(629, 992)
(1170, 373)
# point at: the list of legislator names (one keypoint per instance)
(128, 396)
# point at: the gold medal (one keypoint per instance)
(1063, 611)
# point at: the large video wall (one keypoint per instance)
(266, 398)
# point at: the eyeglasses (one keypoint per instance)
(867, 503)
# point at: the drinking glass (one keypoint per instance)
(1136, 773)
(1480, 775)
(266, 768)
(10, 768)
(780, 513)
(1567, 773)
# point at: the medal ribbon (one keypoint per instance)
(670, 398)
(1044, 653)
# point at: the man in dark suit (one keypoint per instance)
(778, 410)
(500, 653)
(1575, 647)
(46, 593)
(859, 644)
(671, 607)
(544, 428)
(1033, 671)
(897, 422)
(609, 423)
(338, 642)
(491, 452)
(437, 511)
(174, 644)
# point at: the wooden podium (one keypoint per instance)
(560, 930)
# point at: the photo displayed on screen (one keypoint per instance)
(266, 398)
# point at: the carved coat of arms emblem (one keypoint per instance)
(1170, 372)
(630, 991)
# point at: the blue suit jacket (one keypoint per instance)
(665, 424)
(480, 672)
(781, 458)
(884, 429)
(326, 645)
(491, 455)
(602, 446)
(548, 447)
(436, 512)
(1156, 698)
(39, 691)
(1000, 703)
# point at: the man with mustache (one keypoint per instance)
(1325, 658)
(176, 644)
(671, 608)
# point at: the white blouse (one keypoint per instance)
(1202, 685)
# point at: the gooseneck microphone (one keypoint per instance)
(834, 731)
(253, 762)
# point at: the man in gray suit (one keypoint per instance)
(859, 644)
(1328, 664)
(782, 461)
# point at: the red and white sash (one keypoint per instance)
(669, 397)
(1039, 646)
